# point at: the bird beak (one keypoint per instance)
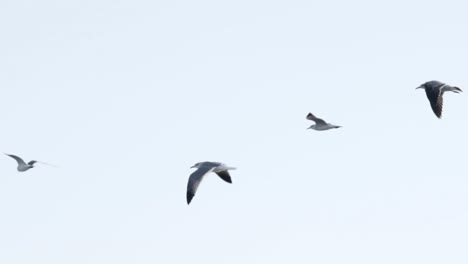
(419, 87)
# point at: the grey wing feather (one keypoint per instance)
(194, 181)
(225, 176)
(32, 162)
(18, 159)
(310, 116)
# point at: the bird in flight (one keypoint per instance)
(22, 166)
(320, 124)
(435, 91)
(204, 168)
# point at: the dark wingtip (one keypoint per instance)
(189, 197)
(458, 89)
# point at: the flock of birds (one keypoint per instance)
(434, 92)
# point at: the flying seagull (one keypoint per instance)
(204, 168)
(434, 91)
(22, 166)
(320, 124)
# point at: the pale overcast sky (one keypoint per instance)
(126, 95)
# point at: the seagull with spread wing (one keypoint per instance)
(204, 168)
(320, 124)
(435, 91)
(23, 166)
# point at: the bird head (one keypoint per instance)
(430, 85)
(423, 86)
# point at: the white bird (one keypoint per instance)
(22, 166)
(434, 91)
(320, 124)
(204, 168)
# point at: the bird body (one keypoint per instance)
(320, 124)
(22, 166)
(204, 168)
(435, 91)
(323, 127)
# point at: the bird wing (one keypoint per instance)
(435, 98)
(194, 180)
(48, 164)
(318, 121)
(32, 162)
(18, 159)
(225, 176)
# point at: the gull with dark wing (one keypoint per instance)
(320, 124)
(434, 91)
(204, 168)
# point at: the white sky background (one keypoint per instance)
(125, 96)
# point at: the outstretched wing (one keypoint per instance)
(225, 176)
(318, 121)
(32, 162)
(18, 159)
(48, 164)
(194, 180)
(435, 98)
